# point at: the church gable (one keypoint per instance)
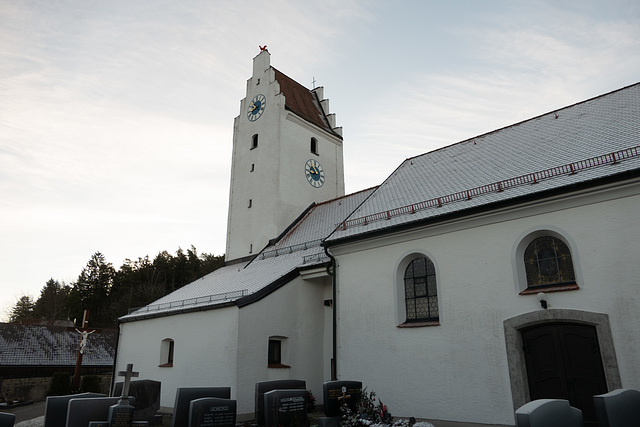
(303, 102)
(594, 139)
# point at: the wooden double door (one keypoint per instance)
(563, 362)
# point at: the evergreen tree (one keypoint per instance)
(22, 310)
(91, 291)
(51, 303)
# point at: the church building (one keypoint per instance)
(477, 277)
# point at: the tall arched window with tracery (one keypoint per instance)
(548, 263)
(420, 291)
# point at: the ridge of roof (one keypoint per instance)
(542, 150)
(303, 102)
(530, 119)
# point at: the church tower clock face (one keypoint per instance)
(256, 107)
(314, 173)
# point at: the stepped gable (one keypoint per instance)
(303, 102)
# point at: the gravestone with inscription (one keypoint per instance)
(212, 412)
(335, 393)
(285, 408)
(185, 395)
(82, 411)
(266, 386)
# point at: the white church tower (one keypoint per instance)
(287, 154)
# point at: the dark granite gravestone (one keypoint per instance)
(147, 395)
(212, 412)
(618, 408)
(7, 420)
(55, 408)
(334, 393)
(285, 408)
(185, 395)
(82, 411)
(266, 386)
(548, 413)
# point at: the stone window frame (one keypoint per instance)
(401, 311)
(167, 352)
(518, 260)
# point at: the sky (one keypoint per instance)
(116, 117)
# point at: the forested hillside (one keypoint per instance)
(109, 293)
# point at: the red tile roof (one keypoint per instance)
(303, 102)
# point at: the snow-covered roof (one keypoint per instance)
(594, 139)
(299, 248)
(44, 345)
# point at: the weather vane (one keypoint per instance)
(263, 48)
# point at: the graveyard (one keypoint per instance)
(286, 403)
(136, 403)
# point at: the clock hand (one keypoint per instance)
(253, 107)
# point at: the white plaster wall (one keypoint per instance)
(458, 371)
(205, 351)
(295, 311)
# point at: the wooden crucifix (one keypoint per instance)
(128, 374)
(84, 333)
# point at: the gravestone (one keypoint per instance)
(266, 386)
(334, 393)
(81, 412)
(212, 412)
(618, 408)
(55, 408)
(548, 413)
(7, 420)
(185, 395)
(147, 395)
(285, 408)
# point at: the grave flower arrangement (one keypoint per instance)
(370, 412)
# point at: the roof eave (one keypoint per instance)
(622, 176)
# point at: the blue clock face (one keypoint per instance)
(314, 173)
(256, 107)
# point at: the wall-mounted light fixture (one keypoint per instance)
(542, 297)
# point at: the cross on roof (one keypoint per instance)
(127, 378)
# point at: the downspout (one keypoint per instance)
(331, 271)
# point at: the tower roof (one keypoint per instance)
(303, 102)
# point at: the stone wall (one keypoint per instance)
(35, 389)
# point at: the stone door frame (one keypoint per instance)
(515, 354)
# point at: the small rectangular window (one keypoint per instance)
(314, 146)
(254, 141)
(275, 352)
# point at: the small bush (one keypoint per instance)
(60, 384)
(90, 383)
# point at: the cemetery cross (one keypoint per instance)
(127, 379)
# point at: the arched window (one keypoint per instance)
(547, 262)
(314, 146)
(254, 141)
(166, 352)
(420, 291)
